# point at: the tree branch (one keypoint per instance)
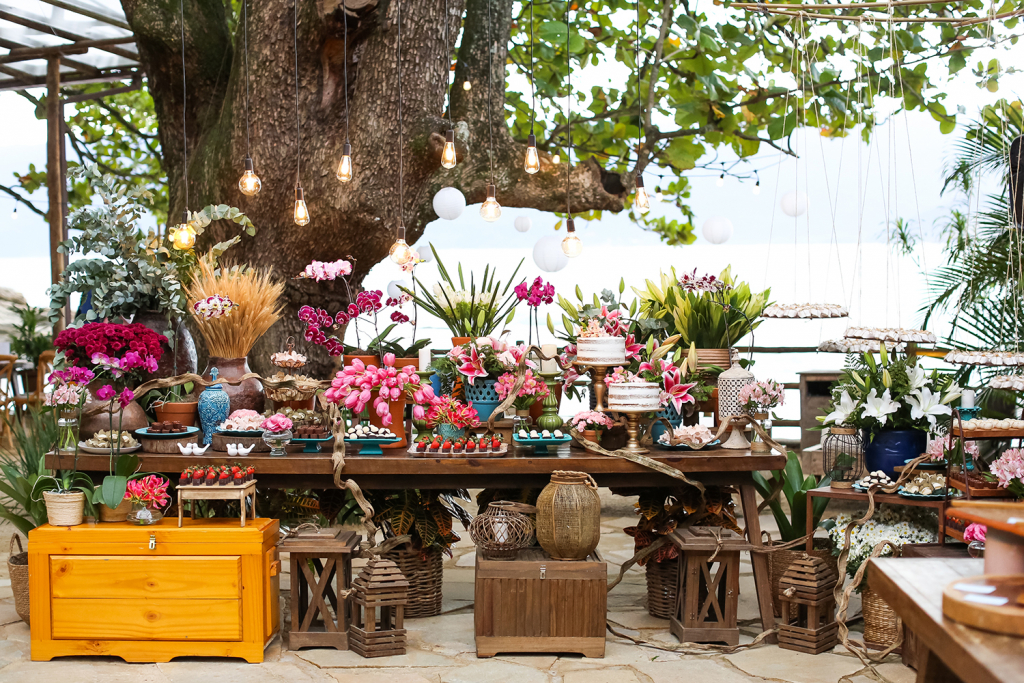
(22, 200)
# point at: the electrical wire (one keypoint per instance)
(490, 85)
(344, 14)
(639, 99)
(298, 128)
(568, 112)
(533, 85)
(401, 138)
(447, 65)
(184, 102)
(245, 49)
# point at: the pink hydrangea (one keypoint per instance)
(590, 419)
(1009, 466)
(277, 423)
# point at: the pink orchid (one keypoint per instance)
(676, 392)
(105, 393)
(126, 397)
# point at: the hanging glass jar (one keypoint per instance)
(67, 432)
(842, 456)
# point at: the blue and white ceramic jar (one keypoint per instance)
(214, 407)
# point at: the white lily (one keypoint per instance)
(918, 378)
(925, 404)
(843, 411)
(879, 407)
(954, 392)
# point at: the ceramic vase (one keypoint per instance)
(245, 396)
(214, 408)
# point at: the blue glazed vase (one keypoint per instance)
(891, 448)
(669, 413)
(214, 407)
(450, 432)
(484, 398)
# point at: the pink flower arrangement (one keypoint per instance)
(676, 391)
(760, 397)
(277, 423)
(80, 344)
(487, 357)
(358, 384)
(590, 419)
(450, 410)
(534, 389)
(72, 375)
(214, 306)
(330, 270)
(975, 532)
(536, 294)
(149, 490)
(66, 396)
(1009, 467)
(937, 448)
(367, 304)
(619, 376)
(705, 283)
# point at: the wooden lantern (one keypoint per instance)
(808, 606)
(709, 585)
(321, 575)
(379, 596)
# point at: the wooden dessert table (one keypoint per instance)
(517, 469)
(954, 652)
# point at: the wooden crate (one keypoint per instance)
(536, 604)
(151, 593)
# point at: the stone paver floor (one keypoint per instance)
(441, 648)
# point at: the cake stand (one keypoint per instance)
(597, 375)
(633, 430)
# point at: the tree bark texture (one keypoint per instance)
(357, 219)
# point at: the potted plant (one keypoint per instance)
(468, 313)
(139, 276)
(177, 404)
(232, 309)
(894, 402)
(757, 400)
(66, 495)
(591, 424)
(792, 519)
(451, 417)
(28, 341)
(147, 496)
(479, 364)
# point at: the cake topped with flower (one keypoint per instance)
(599, 340)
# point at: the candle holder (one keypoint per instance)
(597, 375)
(549, 419)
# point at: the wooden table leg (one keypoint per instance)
(934, 670)
(242, 501)
(179, 510)
(759, 561)
(810, 523)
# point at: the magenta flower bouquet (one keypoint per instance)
(534, 295)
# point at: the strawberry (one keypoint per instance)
(421, 446)
(471, 446)
(447, 444)
(435, 444)
(495, 443)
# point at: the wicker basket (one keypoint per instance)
(662, 588)
(64, 509)
(569, 516)
(881, 625)
(779, 561)
(17, 566)
(424, 576)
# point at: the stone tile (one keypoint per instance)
(537, 661)
(329, 659)
(616, 654)
(386, 676)
(467, 560)
(7, 613)
(458, 590)
(613, 675)
(638, 619)
(691, 669)
(89, 670)
(795, 667)
(447, 634)
(494, 671)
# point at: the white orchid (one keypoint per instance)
(925, 404)
(879, 407)
(843, 411)
(918, 378)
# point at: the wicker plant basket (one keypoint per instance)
(64, 509)
(17, 566)
(779, 561)
(424, 575)
(881, 625)
(662, 588)
(118, 514)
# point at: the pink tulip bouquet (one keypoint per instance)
(359, 385)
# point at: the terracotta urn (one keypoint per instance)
(245, 396)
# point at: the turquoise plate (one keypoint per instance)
(189, 431)
(540, 444)
(313, 445)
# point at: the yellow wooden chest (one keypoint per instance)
(152, 593)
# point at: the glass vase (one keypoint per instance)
(522, 420)
(277, 441)
(757, 444)
(67, 433)
(144, 515)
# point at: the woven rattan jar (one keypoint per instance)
(569, 516)
(501, 531)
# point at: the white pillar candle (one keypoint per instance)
(549, 365)
(967, 399)
(424, 360)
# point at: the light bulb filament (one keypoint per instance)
(448, 158)
(532, 163)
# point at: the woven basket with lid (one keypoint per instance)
(569, 516)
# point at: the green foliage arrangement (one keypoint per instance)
(28, 342)
(129, 270)
(426, 516)
(794, 487)
(697, 317)
(23, 468)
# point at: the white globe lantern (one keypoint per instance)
(393, 288)
(449, 203)
(547, 254)
(794, 203)
(425, 252)
(717, 229)
(523, 223)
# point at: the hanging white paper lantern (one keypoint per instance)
(449, 203)
(425, 252)
(523, 223)
(717, 229)
(393, 288)
(547, 254)
(794, 203)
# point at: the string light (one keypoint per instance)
(555, 159)
(448, 157)
(301, 213)
(532, 162)
(572, 246)
(721, 180)
(657, 193)
(641, 202)
(344, 172)
(14, 214)
(184, 127)
(757, 185)
(490, 210)
(183, 237)
(466, 85)
(400, 252)
(249, 184)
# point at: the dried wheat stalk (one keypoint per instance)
(258, 298)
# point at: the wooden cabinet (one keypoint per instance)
(149, 594)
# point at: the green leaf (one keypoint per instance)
(113, 489)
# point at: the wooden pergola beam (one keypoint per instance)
(70, 78)
(66, 35)
(23, 54)
(85, 12)
(20, 75)
(54, 177)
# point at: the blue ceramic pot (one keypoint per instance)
(484, 398)
(669, 413)
(214, 407)
(891, 448)
(450, 432)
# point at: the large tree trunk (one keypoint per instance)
(357, 219)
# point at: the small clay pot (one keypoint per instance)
(118, 514)
(185, 413)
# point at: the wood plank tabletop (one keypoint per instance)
(397, 470)
(913, 588)
(852, 494)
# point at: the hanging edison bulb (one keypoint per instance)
(721, 180)
(183, 237)
(757, 187)
(400, 252)
(641, 201)
(249, 184)
(490, 210)
(448, 159)
(555, 159)
(301, 212)
(532, 163)
(344, 173)
(572, 246)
